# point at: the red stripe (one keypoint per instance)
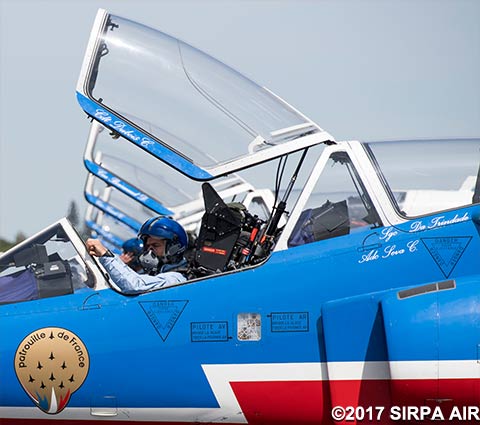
(284, 402)
(310, 402)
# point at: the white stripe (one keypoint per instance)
(418, 369)
(220, 376)
(445, 369)
(268, 371)
(53, 402)
(346, 371)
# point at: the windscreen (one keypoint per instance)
(46, 265)
(426, 176)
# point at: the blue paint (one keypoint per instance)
(160, 151)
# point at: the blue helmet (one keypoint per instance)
(166, 228)
(134, 245)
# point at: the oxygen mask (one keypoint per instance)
(150, 261)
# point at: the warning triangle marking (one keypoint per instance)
(446, 251)
(163, 314)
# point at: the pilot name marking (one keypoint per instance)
(122, 186)
(389, 251)
(388, 234)
(439, 221)
(146, 143)
(119, 126)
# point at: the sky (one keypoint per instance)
(361, 69)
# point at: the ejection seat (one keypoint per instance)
(315, 224)
(220, 229)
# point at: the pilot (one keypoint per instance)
(132, 248)
(162, 259)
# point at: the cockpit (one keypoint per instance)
(46, 265)
(178, 133)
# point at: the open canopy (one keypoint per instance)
(181, 105)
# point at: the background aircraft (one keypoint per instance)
(138, 176)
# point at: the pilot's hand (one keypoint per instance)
(127, 257)
(95, 247)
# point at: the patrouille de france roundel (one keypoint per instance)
(51, 364)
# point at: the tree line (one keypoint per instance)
(72, 215)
